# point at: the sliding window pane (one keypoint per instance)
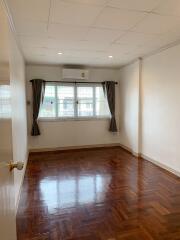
(85, 101)
(66, 101)
(102, 108)
(48, 108)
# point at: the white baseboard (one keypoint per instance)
(164, 166)
(177, 173)
(130, 150)
(157, 163)
(85, 147)
(74, 147)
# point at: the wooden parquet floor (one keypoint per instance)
(100, 194)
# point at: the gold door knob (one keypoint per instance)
(18, 165)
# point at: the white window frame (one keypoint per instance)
(75, 117)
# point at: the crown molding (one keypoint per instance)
(161, 49)
(155, 52)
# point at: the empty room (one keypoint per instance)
(89, 119)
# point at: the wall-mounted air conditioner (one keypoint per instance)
(69, 73)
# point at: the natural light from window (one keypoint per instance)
(76, 190)
(74, 101)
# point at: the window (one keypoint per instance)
(74, 101)
(5, 101)
(85, 101)
(65, 102)
(48, 109)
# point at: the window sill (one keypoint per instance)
(73, 119)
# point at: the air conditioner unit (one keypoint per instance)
(69, 73)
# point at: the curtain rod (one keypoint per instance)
(74, 82)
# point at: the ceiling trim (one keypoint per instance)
(152, 53)
(161, 49)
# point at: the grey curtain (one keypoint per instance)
(38, 89)
(109, 91)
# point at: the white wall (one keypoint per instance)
(129, 105)
(161, 107)
(157, 127)
(19, 118)
(55, 134)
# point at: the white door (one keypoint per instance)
(7, 194)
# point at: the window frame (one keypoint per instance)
(75, 117)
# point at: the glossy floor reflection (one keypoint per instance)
(102, 194)
(63, 192)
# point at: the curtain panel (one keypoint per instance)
(109, 91)
(38, 89)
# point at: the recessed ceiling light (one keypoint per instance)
(110, 56)
(60, 53)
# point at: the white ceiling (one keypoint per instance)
(88, 31)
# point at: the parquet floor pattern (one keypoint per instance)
(99, 194)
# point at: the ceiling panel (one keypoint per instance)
(118, 19)
(75, 14)
(141, 39)
(103, 35)
(88, 31)
(92, 2)
(118, 49)
(36, 41)
(31, 28)
(68, 60)
(63, 44)
(168, 7)
(85, 53)
(86, 45)
(35, 10)
(41, 51)
(67, 32)
(157, 24)
(139, 5)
